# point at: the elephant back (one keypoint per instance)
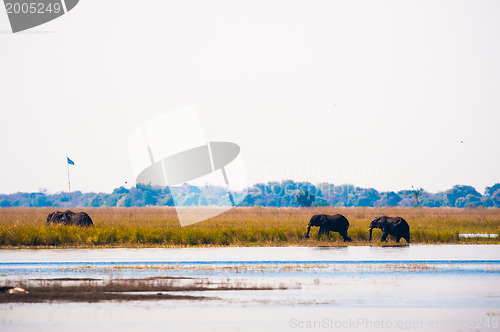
(54, 217)
(83, 219)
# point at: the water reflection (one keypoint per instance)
(255, 254)
(325, 248)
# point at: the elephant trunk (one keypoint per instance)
(370, 230)
(308, 230)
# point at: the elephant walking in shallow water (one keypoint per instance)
(326, 223)
(395, 226)
(69, 218)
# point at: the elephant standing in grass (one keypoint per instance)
(395, 226)
(326, 223)
(69, 218)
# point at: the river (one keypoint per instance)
(416, 287)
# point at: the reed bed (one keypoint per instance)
(253, 226)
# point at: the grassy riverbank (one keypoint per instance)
(158, 227)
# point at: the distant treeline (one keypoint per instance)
(277, 194)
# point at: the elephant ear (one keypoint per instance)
(322, 217)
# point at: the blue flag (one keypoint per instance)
(71, 162)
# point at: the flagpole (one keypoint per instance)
(69, 182)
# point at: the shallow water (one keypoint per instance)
(254, 254)
(417, 287)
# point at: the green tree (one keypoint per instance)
(460, 191)
(320, 202)
(468, 201)
(389, 199)
(148, 198)
(416, 194)
(121, 190)
(491, 190)
(96, 201)
(4, 203)
(304, 198)
(495, 198)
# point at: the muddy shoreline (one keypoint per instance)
(39, 290)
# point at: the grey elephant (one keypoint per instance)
(327, 223)
(69, 218)
(395, 226)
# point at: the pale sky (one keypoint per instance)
(372, 93)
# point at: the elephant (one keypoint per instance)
(326, 223)
(69, 218)
(395, 226)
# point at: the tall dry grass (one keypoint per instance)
(153, 226)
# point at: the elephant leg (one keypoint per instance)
(321, 231)
(407, 238)
(384, 237)
(398, 238)
(346, 238)
(308, 230)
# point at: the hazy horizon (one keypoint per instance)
(318, 185)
